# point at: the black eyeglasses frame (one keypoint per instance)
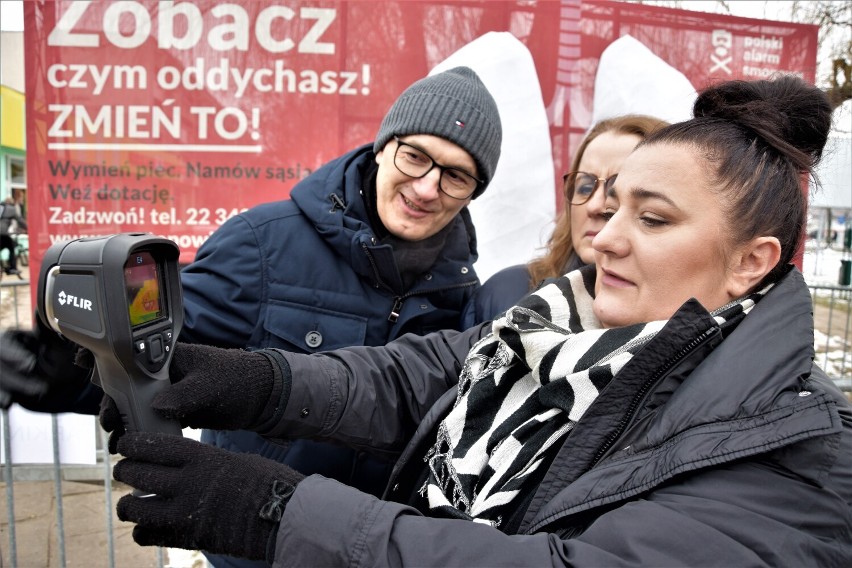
(442, 168)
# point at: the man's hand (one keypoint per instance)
(38, 371)
(205, 498)
(17, 363)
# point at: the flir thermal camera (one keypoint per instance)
(118, 296)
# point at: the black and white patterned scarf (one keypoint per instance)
(522, 388)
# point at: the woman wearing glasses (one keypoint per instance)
(598, 158)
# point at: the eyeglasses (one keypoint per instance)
(580, 186)
(416, 163)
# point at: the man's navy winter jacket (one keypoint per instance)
(309, 274)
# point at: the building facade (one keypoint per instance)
(13, 169)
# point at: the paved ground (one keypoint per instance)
(84, 518)
(85, 522)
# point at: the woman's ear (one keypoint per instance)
(752, 263)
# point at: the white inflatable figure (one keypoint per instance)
(631, 79)
(834, 172)
(514, 216)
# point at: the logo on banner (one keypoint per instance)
(721, 57)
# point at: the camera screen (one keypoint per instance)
(142, 282)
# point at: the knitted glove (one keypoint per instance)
(225, 389)
(18, 353)
(37, 369)
(205, 498)
(110, 419)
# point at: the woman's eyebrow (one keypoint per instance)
(640, 193)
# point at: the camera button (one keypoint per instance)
(155, 348)
(167, 340)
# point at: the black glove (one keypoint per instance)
(38, 371)
(225, 389)
(110, 419)
(206, 498)
(18, 363)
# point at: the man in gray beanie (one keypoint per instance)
(374, 244)
(453, 105)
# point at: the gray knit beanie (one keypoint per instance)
(454, 105)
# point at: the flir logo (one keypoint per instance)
(69, 300)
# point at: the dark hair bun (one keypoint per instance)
(789, 114)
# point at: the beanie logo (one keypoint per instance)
(459, 123)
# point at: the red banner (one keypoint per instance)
(171, 117)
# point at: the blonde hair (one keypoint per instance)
(560, 247)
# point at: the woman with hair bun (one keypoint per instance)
(599, 157)
(660, 408)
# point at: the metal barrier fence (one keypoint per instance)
(833, 343)
(832, 307)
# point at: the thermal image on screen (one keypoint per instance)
(142, 282)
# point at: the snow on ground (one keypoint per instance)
(821, 267)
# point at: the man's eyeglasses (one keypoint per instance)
(580, 186)
(416, 163)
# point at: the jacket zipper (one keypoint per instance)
(398, 300)
(336, 202)
(393, 317)
(397, 307)
(646, 386)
